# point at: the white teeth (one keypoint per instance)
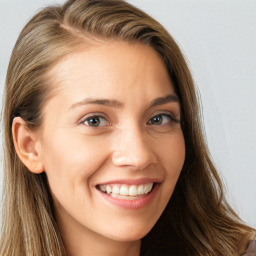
(109, 190)
(127, 190)
(148, 187)
(124, 190)
(115, 190)
(140, 190)
(103, 188)
(133, 191)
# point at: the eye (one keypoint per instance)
(96, 121)
(161, 119)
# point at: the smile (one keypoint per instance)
(126, 190)
(129, 196)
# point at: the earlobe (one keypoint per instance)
(26, 145)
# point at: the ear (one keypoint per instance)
(26, 145)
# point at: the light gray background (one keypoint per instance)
(218, 38)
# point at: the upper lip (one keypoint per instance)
(132, 181)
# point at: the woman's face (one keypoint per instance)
(110, 131)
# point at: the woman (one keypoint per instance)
(104, 153)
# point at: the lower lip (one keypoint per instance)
(132, 204)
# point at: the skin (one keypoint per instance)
(127, 144)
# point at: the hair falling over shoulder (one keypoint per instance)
(196, 221)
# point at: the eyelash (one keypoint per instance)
(168, 115)
(95, 116)
(99, 117)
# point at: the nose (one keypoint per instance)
(133, 149)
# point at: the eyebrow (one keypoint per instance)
(118, 104)
(104, 102)
(164, 100)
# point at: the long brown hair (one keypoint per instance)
(196, 221)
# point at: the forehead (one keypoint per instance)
(110, 69)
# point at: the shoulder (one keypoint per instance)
(248, 245)
(251, 250)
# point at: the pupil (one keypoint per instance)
(157, 120)
(94, 121)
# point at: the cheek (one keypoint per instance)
(70, 159)
(172, 153)
(172, 159)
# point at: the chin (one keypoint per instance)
(127, 235)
